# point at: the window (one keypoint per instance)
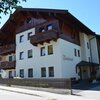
(30, 72)
(51, 71)
(29, 20)
(21, 38)
(88, 45)
(43, 72)
(30, 53)
(78, 53)
(21, 56)
(22, 73)
(14, 57)
(10, 58)
(50, 49)
(75, 52)
(49, 27)
(43, 51)
(10, 74)
(29, 35)
(41, 30)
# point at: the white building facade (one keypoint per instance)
(61, 49)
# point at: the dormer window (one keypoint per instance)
(49, 27)
(41, 30)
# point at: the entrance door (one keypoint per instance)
(85, 74)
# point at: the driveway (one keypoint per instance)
(83, 85)
(93, 93)
(87, 90)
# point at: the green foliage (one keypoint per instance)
(6, 6)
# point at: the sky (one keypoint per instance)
(87, 11)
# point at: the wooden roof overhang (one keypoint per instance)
(9, 28)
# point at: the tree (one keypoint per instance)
(6, 6)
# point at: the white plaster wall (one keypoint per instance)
(85, 52)
(37, 61)
(70, 61)
(94, 50)
(5, 73)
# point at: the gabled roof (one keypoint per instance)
(65, 15)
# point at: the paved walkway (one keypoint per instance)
(49, 96)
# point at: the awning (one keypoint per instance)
(85, 63)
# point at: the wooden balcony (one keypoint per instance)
(7, 65)
(7, 49)
(44, 37)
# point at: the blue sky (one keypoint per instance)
(87, 11)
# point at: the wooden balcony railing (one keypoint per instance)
(44, 37)
(7, 49)
(7, 65)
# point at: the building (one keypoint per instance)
(49, 43)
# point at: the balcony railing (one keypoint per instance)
(44, 37)
(7, 49)
(7, 65)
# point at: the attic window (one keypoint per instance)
(29, 20)
(41, 30)
(49, 27)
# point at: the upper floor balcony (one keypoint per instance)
(44, 37)
(7, 49)
(7, 65)
(45, 32)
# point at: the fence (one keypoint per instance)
(55, 83)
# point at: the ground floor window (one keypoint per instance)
(30, 72)
(43, 72)
(51, 71)
(22, 73)
(10, 74)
